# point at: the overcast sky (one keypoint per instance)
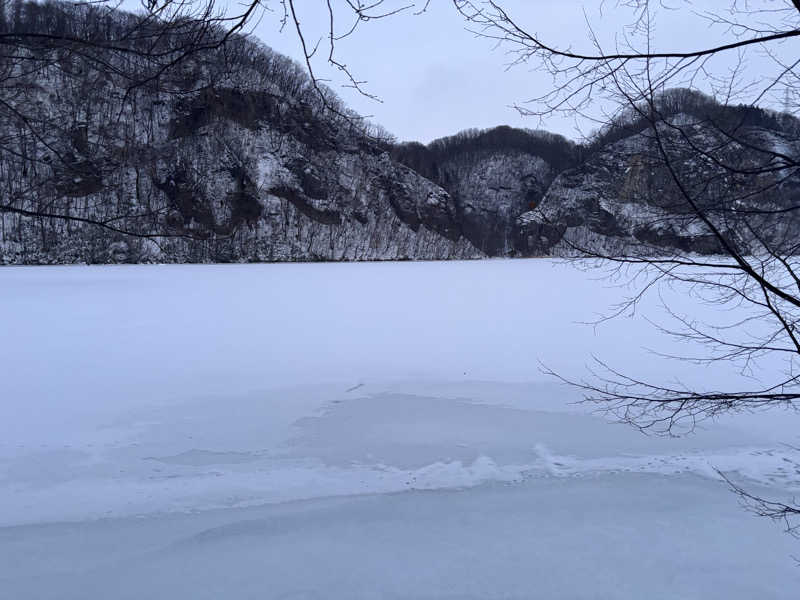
(435, 78)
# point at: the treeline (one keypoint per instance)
(430, 160)
(87, 21)
(179, 57)
(705, 111)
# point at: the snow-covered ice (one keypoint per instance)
(359, 431)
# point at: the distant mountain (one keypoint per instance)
(493, 176)
(737, 163)
(240, 160)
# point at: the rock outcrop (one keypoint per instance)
(244, 164)
(623, 199)
(237, 158)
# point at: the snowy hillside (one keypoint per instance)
(233, 158)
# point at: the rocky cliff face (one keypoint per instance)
(240, 161)
(623, 199)
(493, 177)
(491, 190)
(231, 193)
(243, 163)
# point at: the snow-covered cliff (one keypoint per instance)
(241, 163)
(625, 198)
(236, 158)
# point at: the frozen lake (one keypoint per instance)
(360, 431)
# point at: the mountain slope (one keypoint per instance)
(624, 199)
(238, 161)
(233, 156)
(493, 176)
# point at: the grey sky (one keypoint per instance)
(436, 78)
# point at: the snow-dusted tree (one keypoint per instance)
(51, 159)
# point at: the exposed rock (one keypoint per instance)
(236, 171)
(252, 166)
(491, 190)
(623, 199)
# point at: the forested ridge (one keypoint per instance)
(122, 150)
